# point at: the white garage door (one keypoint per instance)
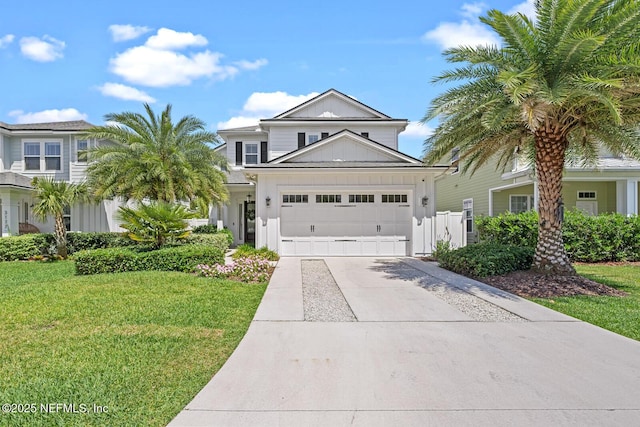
(345, 224)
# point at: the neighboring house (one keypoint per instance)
(326, 178)
(610, 186)
(45, 149)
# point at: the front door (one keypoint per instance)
(250, 222)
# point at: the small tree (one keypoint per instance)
(156, 222)
(54, 197)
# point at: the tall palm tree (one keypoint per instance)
(53, 198)
(563, 84)
(150, 157)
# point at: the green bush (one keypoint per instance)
(183, 258)
(212, 229)
(245, 251)
(486, 259)
(16, 248)
(602, 238)
(218, 240)
(86, 241)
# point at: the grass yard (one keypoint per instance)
(139, 344)
(617, 314)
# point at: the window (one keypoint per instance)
(365, 134)
(52, 156)
(251, 155)
(586, 195)
(467, 209)
(455, 160)
(295, 198)
(394, 198)
(328, 198)
(82, 145)
(324, 135)
(32, 156)
(313, 138)
(361, 198)
(66, 218)
(26, 211)
(519, 203)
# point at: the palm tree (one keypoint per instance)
(564, 84)
(54, 197)
(156, 222)
(150, 157)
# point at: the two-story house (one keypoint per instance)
(326, 178)
(46, 149)
(611, 185)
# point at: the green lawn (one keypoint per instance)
(140, 344)
(617, 314)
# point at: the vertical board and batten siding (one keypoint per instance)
(423, 233)
(335, 107)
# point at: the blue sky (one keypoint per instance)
(229, 63)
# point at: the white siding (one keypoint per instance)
(417, 184)
(332, 107)
(345, 149)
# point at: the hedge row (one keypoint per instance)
(486, 259)
(213, 229)
(602, 238)
(177, 258)
(15, 248)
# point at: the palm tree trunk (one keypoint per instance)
(61, 236)
(550, 256)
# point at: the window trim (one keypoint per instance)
(312, 138)
(42, 153)
(86, 150)
(467, 206)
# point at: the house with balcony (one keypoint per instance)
(46, 149)
(608, 186)
(326, 178)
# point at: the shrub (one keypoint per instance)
(602, 238)
(244, 251)
(179, 258)
(155, 222)
(218, 240)
(212, 229)
(86, 241)
(252, 269)
(487, 259)
(16, 248)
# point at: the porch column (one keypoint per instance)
(621, 197)
(219, 221)
(632, 196)
(9, 214)
(535, 195)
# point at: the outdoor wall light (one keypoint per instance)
(268, 200)
(425, 201)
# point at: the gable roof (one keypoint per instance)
(388, 154)
(374, 114)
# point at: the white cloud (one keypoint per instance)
(472, 10)
(527, 8)
(169, 39)
(418, 130)
(46, 116)
(157, 64)
(6, 40)
(262, 105)
(127, 93)
(121, 33)
(46, 49)
(468, 32)
(248, 65)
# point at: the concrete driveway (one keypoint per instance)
(423, 347)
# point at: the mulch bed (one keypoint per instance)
(527, 284)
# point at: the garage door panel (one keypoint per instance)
(343, 229)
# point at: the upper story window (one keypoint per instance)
(251, 154)
(82, 147)
(455, 159)
(32, 156)
(42, 155)
(365, 134)
(313, 138)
